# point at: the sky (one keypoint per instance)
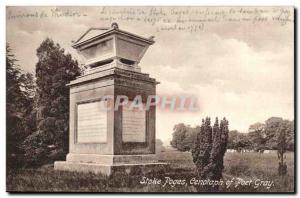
(243, 71)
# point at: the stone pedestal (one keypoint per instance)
(113, 149)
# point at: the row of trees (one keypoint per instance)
(208, 144)
(38, 108)
(261, 136)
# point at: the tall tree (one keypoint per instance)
(14, 95)
(19, 100)
(54, 70)
(265, 136)
(258, 137)
(209, 150)
(202, 148)
(281, 149)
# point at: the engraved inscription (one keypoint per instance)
(91, 122)
(134, 125)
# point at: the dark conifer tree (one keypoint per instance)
(209, 150)
(54, 70)
(281, 150)
(19, 104)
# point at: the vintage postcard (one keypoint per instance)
(150, 99)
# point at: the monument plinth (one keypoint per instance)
(104, 140)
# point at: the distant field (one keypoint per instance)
(241, 167)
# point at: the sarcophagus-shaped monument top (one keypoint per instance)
(103, 48)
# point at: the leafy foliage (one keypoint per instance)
(183, 137)
(238, 141)
(282, 147)
(20, 89)
(54, 70)
(209, 149)
(263, 136)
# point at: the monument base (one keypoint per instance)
(108, 170)
(110, 164)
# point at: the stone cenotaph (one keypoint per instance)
(122, 139)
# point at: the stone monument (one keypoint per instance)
(122, 139)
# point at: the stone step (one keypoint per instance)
(109, 169)
(111, 159)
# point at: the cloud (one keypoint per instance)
(229, 64)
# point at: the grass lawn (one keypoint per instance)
(250, 172)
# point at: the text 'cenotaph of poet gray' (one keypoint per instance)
(121, 139)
